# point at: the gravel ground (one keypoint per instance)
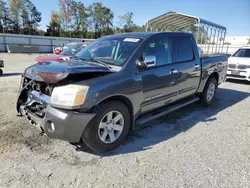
(193, 147)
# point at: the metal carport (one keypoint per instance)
(174, 21)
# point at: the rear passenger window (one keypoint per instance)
(183, 48)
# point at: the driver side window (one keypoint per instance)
(158, 47)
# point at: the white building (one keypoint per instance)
(237, 40)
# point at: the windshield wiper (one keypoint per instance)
(100, 62)
(95, 60)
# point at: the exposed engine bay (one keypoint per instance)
(34, 96)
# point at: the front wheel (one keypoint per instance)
(109, 128)
(208, 94)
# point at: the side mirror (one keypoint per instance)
(150, 60)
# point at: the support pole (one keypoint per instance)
(217, 41)
(197, 35)
(211, 32)
(223, 41)
(221, 32)
(146, 29)
(202, 32)
(214, 35)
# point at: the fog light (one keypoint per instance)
(51, 127)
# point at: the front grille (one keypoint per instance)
(241, 66)
(232, 66)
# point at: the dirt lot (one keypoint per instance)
(193, 147)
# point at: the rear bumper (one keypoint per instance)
(241, 75)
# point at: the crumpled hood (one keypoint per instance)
(40, 71)
(239, 60)
(52, 57)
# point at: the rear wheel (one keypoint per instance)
(109, 128)
(1, 71)
(208, 94)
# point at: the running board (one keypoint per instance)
(166, 110)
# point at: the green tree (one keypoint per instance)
(126, 21)
(54, 27)
(30, 16)
(5, 20)
(15, 7)
(80, 18)
(65, 13)
(83, 19)
(101, 19)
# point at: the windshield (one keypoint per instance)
(69, 45)
(112, 50)
(74, 49)
(242, 53)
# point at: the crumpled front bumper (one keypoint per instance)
(57, 123)
(64, 124)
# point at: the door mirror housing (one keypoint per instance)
(150, 61)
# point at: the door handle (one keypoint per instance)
(196, 66)
(173, 71)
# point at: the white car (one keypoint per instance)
(239, 64)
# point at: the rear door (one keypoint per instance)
(160, 81)
(187, 59)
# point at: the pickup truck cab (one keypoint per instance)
(116, 84)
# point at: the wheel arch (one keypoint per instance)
(205, 80)
(125, 101)
(215, 75)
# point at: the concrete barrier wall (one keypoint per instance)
(45, 44)
(22, 49)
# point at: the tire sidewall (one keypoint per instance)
(204, 97)
(90, 135)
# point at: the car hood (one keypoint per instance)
(53, 72)
(239, 60)
(52, 57)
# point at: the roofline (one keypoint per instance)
(160, 20)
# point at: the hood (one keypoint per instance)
(239, 60)
(52, 57)
(53, 72)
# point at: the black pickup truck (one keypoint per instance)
(116, 84)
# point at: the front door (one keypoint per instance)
(159, 81)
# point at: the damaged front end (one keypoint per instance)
(33, 100)
(38, 82)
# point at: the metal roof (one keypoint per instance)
(176, 21)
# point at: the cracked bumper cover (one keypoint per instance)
(68, 125)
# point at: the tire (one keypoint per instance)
(1, 71)
(99, 128)
(208, 94)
